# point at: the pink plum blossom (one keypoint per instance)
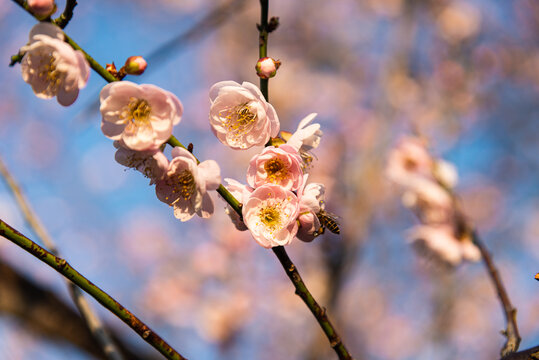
(52, 67)
(270, 213)
(241, 192)
(306, 138)
(185, 185)
(240, 117)
(311, 202)
(152, 164)
(280, 166)
(141, 117)
(41, 8)
(440, 243)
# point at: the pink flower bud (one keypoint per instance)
(135, 65)
(42, 8)
(267, 67)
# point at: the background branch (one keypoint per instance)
(511, 332)
(66, 16)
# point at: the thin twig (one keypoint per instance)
(88, 314)
(66, 16)
(511, 332)
(318, 311)
(263, 42)
(528, 354)
(64, 268)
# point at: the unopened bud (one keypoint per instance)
(135, 65)
(267, 67)
(42, 8)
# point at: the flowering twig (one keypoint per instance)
(90, 317)
(511, 332)
(63, 267)
(66, 16)
(280, 252)
(291, 270)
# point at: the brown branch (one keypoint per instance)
(318, 311)
(510, 312)
(528, 354)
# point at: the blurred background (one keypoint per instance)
(465, 74)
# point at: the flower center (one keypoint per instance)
(49, 73)
(238, 119)
(276, 169)
(138, 111)
(184, 184)
(270, 216)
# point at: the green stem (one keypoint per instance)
(63, 267)
(66, 16)
(263, 42)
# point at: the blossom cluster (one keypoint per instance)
(428, 182)
(278, 204)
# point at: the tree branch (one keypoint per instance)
(88, 314)
(511, 332)
(63, 267)
(66, 16)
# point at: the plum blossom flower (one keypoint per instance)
(52, 67)
(270, 213)
(306, 138)
(280, 166)
(311, 202)
(185, 185)
(240, 117)
(141, 117)
(241, 192)
(441, 244)
(152, 164)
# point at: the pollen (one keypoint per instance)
(270, 216)
(137, 112)
(276, 170)
(184, 184)
(238, 120)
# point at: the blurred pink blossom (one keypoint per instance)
(280, 166)
(152, 164)
(408, 161)
(52, 67)
(440, 243)
(240, 117)
(270, 213)
(186, 184)
(141, 117)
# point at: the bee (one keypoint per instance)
(328, 221)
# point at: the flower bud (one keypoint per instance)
(267, 67)
(42, 8)
(135, 65)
